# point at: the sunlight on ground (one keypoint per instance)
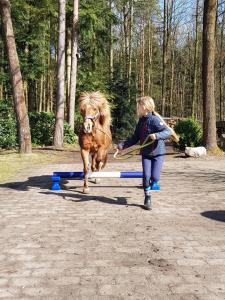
(12, 162)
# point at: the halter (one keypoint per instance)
(92, 118)
(95, 117)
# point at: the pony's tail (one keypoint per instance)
(174, 136)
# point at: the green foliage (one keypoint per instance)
(32, 34)
(190, 133)
(69, 136)
(124, 115)
(90, 80)
(41, 126)
(77, 122)
(8, 135)
(95, 18)
(42, 129)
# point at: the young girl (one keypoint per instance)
(150, 125)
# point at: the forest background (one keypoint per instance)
(125, 49)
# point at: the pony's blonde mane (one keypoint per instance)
(98, 100)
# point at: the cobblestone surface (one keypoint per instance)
(68, 245)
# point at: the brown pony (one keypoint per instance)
(95, 135)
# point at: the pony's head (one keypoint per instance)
(94, 108)
(90, 114)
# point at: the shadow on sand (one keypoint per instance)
(68, 193)
(217, 215)
(80, 197)
(45, 182)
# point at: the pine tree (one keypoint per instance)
(16, 79)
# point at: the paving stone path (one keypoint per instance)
(67, 245)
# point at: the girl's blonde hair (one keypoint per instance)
(149, 104)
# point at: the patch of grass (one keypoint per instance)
(12, 162)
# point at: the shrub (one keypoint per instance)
(8, 134)
(42, 129)
(190, 133)
(78, 122)
(69, 136)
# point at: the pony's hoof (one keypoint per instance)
(97, 180)
(86, 190)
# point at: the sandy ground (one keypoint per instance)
(104, 245)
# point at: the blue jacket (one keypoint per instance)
(147, 125)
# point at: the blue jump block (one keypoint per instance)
(56, 183)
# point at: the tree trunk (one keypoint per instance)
(111, 46)
(49, 83)
(16, 79)
(142, 75)
(68, 71)
(59, 124)
(73, 76)
(194, 95)
(121, 54)
(1, 69)
(221, 74)
(164, 57)
(31, 95)
(150, 35)
(40, 103)
(136, 72)
(131, 12)
(208, 58)
(126, 37)
(172, 79)
(45, 93)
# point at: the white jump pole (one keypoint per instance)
(73, 175)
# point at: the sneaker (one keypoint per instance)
(155, 186)
(147, 203)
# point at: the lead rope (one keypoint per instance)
(132, 152)
(104, 132)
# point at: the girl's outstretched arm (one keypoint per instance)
(134, 139)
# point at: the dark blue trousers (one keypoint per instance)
(151, 169)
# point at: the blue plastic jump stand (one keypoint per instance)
(73, 175)
(56, 183)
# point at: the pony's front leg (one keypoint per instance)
(101, 158)
(85, 158)
(93, 163)
(93, 167)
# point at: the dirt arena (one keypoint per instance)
(66, 245)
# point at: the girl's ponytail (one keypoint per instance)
(174, 136)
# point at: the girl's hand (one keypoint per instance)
(120, 147)
(152, 136)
